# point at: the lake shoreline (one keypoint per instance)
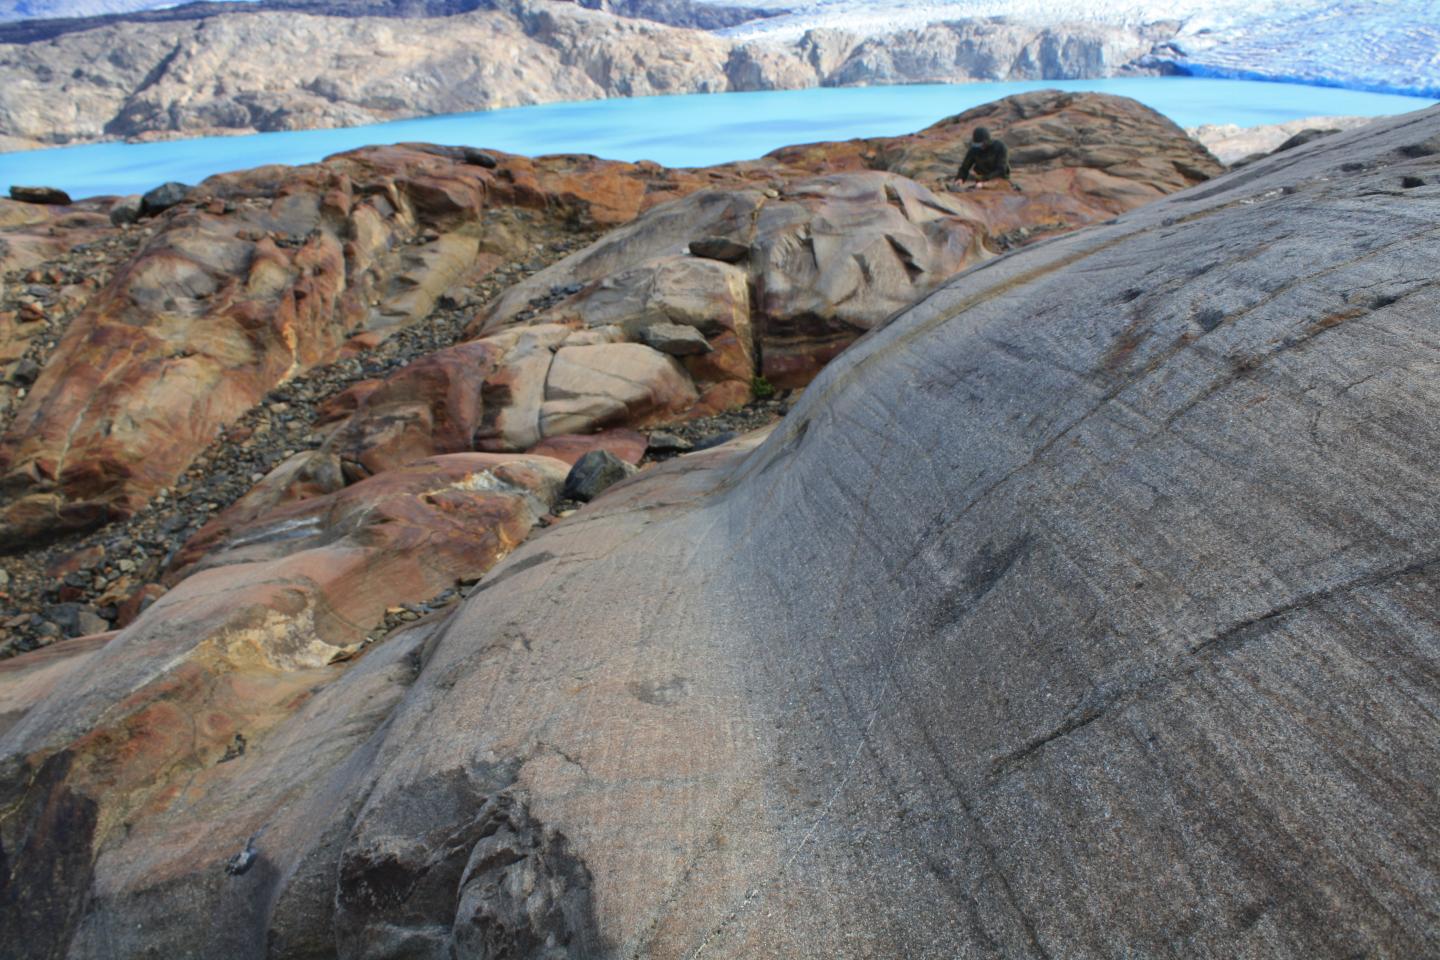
(670, 129)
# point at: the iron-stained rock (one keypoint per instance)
(1084, 607)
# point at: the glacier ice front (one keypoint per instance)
(1378, 45)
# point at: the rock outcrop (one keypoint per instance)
(1084, 608)
(827, 259)
(255, 278)
(258, 276)
(47, 19)
(1231, 143)
(272, 70)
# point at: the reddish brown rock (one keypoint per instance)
(346, 402)
(268, 272)
(1046, 131)
(307, 474)
(140, 382)
(627, 445)
(257, 276)
(1095, 593)
(274, 606)
(794, 277)
(136, 603)
(469, 508)
(831, 257)
(31, 234)
(429, 407)
(76, 561)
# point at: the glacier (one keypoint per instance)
(1383, 46)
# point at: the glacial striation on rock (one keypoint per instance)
(1085, 607)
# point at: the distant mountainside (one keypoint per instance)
(1376, 45)
(242, 67)
(266, 69)
(31, 20)
(26, 9)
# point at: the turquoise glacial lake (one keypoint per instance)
(677, 131)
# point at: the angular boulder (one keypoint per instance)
(604, 384)
(431, 406)
(594, 473)
(126, 210)
(162, 198)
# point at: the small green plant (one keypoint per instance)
(762, 388)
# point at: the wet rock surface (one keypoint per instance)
(1086, 600)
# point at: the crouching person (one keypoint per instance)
(988, 159)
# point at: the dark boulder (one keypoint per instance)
(594, 473)
(25, 372)
(126, 210)
(47, 195)
(478, 158)
(163, 198)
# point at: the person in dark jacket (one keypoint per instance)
(987, 158)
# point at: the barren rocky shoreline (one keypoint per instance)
(1061, 582)
(243, 72)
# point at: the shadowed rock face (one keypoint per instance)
(1085, 609)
